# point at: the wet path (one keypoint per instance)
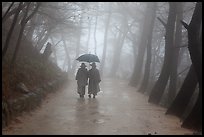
(118, 109)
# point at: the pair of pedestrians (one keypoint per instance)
(90, 78)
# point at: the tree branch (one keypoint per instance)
(13, 11)
(32, 14)
(163, 23)
(185, 24)
(183, 70)
(182, 46)
(123, 33)
(7, 11)
(58, 42)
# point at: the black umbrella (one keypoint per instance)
(88, 58)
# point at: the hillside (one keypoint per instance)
(30, 68)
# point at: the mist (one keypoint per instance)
(153, 47)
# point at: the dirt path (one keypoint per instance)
(118, 109)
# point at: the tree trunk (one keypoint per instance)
(159, 87)
(44, 40)
(67, 55)
(105, 40)
(48, 51)
(141, 49)
(183, 97)
(3, 18)
(95, 41)
(54, 50)
(154, 61)
(194, 41)
(118, 47)
(194, 119)
(38, 31)
(77, 46)
(11, 31)
(89, 33)
(177, 43)
(31, 29)
(14, 11)
(23, 23)
(39, 37)
(116, 55)
(145, 81)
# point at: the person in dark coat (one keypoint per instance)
(94, 80)
(82, 78)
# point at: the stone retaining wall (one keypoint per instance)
(29, 101)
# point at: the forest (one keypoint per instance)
(155, 47)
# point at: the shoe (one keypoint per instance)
(89, 96)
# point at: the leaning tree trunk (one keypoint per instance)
(105, 40)
(154, 61)
(184, 95)
(176, 49)
(159, 87)
(194, 119)
(11, 31)
(42, 42)
(118, 47)
(23, 23)
(13, 11)
(78, 45)
(3, 18)
(67, 54)
(145, 80)
(141, 49)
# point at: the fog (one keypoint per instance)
(89, 34)
(155, 47)
(93, 16)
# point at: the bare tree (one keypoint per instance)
(105, 39)
(3, 18)
(159, 87)
(11, 30)
(68, 60)
(184, 95)
(145, 81)
(78, 44)
(194, 119)
(23, 23)
(13, 11)
(135, 78)
(118, 46)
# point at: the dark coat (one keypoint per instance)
(82, 78)
(94, 80)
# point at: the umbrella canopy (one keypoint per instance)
(88, 58)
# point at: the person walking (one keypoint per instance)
(94, 80)
(82, 78)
